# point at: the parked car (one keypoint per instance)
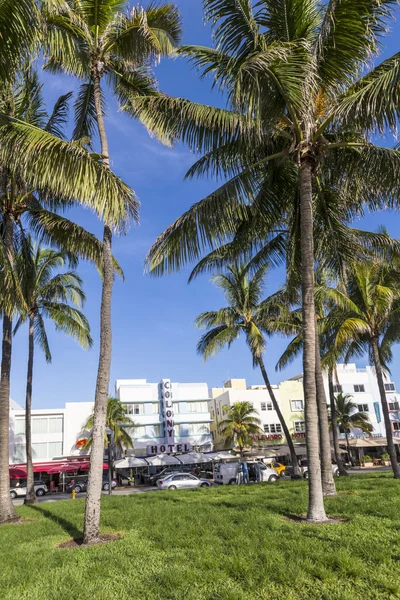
(81, 486)
(278, 467)
(181, 481)
(20, 490)
(152, 480)
(304, 469)
(227, 473)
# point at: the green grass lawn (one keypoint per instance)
(231, 543)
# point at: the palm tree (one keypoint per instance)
(40, 172)
(19, 34)
(348, 418)
(94, 41)
(299, 89)
(239, 424)
(366, 319)
(116, 420)
(245, 314)
(47, 294)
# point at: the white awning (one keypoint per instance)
(194, 458)
(130, 462)
(163, 459)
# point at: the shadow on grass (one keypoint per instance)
(68, 527)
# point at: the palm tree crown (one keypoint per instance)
(239, 423)
(48, 294)
(116, 420)
(349, 417)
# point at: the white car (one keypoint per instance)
(20, 490)
(181, 481)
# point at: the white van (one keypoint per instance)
(227, 473)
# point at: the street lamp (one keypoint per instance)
(110, 444)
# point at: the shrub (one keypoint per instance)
(385, 457)
(366, 458)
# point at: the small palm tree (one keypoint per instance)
(349, 418)
(365, 318)
(246, 314)
(116, 420)
(239, 424)
(47, 294)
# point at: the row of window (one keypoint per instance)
(295, 405)
(158, 430)
(360, 387)
(273, 428)
(191, 407)
(40, 451)
(40, 425)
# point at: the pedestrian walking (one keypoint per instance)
(245, 473)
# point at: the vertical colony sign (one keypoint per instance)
(169, 424)
(166, 399)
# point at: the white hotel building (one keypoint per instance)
(55, 431)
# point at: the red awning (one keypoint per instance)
(17, 473)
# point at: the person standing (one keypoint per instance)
(245, 473)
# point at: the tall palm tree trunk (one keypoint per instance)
(339, 462)
(7, 511)
(328, 483)
(385, 409)
(30, 497)
(348, 448)
(316, 509)
(282, 421)
(92, 509)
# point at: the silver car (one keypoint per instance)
(40, 488)
(181, 481)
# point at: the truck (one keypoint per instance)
(226, 473)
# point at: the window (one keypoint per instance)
(275, 428)
(396, 426)
(19, 426)
(363, 407)
(175, 407)
(55, 449)
(359, 388)
(266, 428)
(393, 406)
(390, 387)
(39, 425)
(196, 407)
(19, 453)
(269, 406)
(337, 389)
(39, 450)
(134, 409)
(299, 426)
(263, 406)
(157, 430)
(193, 428)
(297, 405)
(137, 432)
(156, 408)
(55, 424)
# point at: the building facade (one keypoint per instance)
(168, 417)
(360, 383)
(290, 398)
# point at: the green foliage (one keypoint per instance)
(366, 458)
(385, 457)
(49, 293)
(348, 417)
(268, 557)
(117, 421)
(238, 424)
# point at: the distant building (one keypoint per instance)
(168, 416)
(289, 396)
(360, 383)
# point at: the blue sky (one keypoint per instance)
(153, 332)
